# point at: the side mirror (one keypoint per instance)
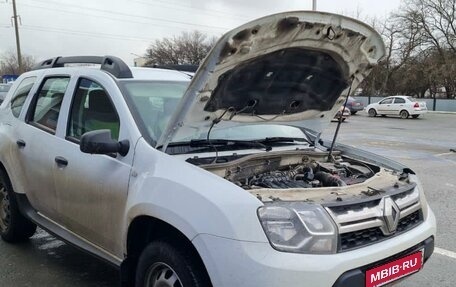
(100, 142)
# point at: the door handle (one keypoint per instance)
(20, 143)
(61, 161)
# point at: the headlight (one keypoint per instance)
(299, 227)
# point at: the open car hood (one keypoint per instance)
(292, 68)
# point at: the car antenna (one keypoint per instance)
(336, 133)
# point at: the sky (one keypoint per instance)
(125, 28)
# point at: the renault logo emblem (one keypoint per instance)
(391, 214)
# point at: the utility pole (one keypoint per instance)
(18, 43)
(314, 5)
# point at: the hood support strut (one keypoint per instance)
(336, 133)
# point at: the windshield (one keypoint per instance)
(255, 132)
(154, 103)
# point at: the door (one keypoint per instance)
(398, 105)
(385, 107)
(36, 141)
(92, 189)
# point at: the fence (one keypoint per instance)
(442, 105)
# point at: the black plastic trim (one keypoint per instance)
(356, 277)
(28, 211)
(111, 64)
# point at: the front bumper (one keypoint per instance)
(356, 276)
(251, 264)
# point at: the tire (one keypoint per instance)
(372, 113)
(353, 112)
(404, 114)
(343, 119)
(163, 265)
(14, 227)
(415, 116)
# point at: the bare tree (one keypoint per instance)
(420, 56)
(402, 40)
(10, 65)
(436, 20)
(187, 48)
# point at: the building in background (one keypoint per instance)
(8, 78)
(140, 62)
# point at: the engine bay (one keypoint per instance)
(289, 170)
(305, 175)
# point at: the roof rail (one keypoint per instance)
(182, 68)
(113, 65)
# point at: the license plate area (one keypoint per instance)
(394, 270)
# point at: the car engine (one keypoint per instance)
(289, 172)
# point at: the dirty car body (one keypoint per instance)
(237, 174)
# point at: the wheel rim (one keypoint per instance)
(161, 275)
(4, 209)
(404, 114)
(372, 113)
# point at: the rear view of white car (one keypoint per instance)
(402, 106)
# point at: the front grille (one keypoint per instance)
(409, 221)
(365, 222)
(360, 238)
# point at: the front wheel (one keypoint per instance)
(14, 227)
(163, 265)
(404, 114)
(372, 113)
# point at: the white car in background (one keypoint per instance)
(402, 106)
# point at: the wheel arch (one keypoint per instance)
(404, 110)
(373, 108)
(5, 171)
(145, 229)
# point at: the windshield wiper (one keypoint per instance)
(283, 140)
(227, 142)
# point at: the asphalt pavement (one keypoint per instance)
(423, 144)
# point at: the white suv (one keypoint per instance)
(221, 180)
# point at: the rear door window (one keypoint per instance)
(45, 109)
(19, 97)
(386, 102)
(399, 101)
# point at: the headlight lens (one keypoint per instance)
(299, 227)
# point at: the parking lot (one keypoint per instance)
(423, 144)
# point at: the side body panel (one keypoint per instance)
(191, 199)
(92, 190)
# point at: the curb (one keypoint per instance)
(442, 112)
